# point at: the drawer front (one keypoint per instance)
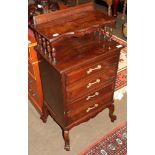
(77, 114)
(103, 94)
(31, 69)
(32, 88)
(91, 69)
(34, 94)
(87, 85)
(31, 82)
(32, 55)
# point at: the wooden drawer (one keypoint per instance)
(31, 69)
(32, 88)
(91, 69)
(77, 113)
(34, 94)
(92, 97)
(31, 82)
(87, 85)
(32, 56)
(29, 54)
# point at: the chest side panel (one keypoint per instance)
(52, 89)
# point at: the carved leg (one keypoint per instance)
(66, 139)
(45, 114)
(109, 10)
(111, 111)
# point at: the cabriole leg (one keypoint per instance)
(45, 114)
(111, 111)
(66, 139)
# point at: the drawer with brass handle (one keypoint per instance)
(91, 108)
(91, 69)
(84, 86)
(104, 94)
(79, 112)
(91, 96)
(92, 83)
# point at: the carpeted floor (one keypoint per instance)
(46, 139)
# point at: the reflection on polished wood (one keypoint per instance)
(78, 69)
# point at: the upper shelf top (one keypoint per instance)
(72, 21)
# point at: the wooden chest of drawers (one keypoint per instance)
(78, 68)
(34, 82)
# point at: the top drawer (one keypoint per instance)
(90, 69)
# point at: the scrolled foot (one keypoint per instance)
(113, 118)
(45, 114)
(111, 111)
(66, 139)
(67, 147)
(43, 118)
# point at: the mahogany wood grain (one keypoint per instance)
(87, 85)
(57, 90)
(67, 140)
(91, 69)
(71, 64)
(72, 21)
(97, 95)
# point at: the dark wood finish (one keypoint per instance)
(44, 114)
(78, 72)
(86, 19)
(41, 7)
(116, 4)
(111, 111)
(34, 83)
(66, 139)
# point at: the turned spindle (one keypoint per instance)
(44, 46)
(49, 51)
(109, 10)
(54, 55)
(99, 34)
(104, 31)
(40, 43)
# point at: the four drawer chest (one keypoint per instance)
(78, 65)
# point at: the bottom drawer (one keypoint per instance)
(100, 94)
(31, 82)
(33, 93)
(74, 115)
(32, 88)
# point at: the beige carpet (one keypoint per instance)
(46, 139)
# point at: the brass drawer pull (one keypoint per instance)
(89, 97)
(91, 69)
(90, 84)
(90, 108)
